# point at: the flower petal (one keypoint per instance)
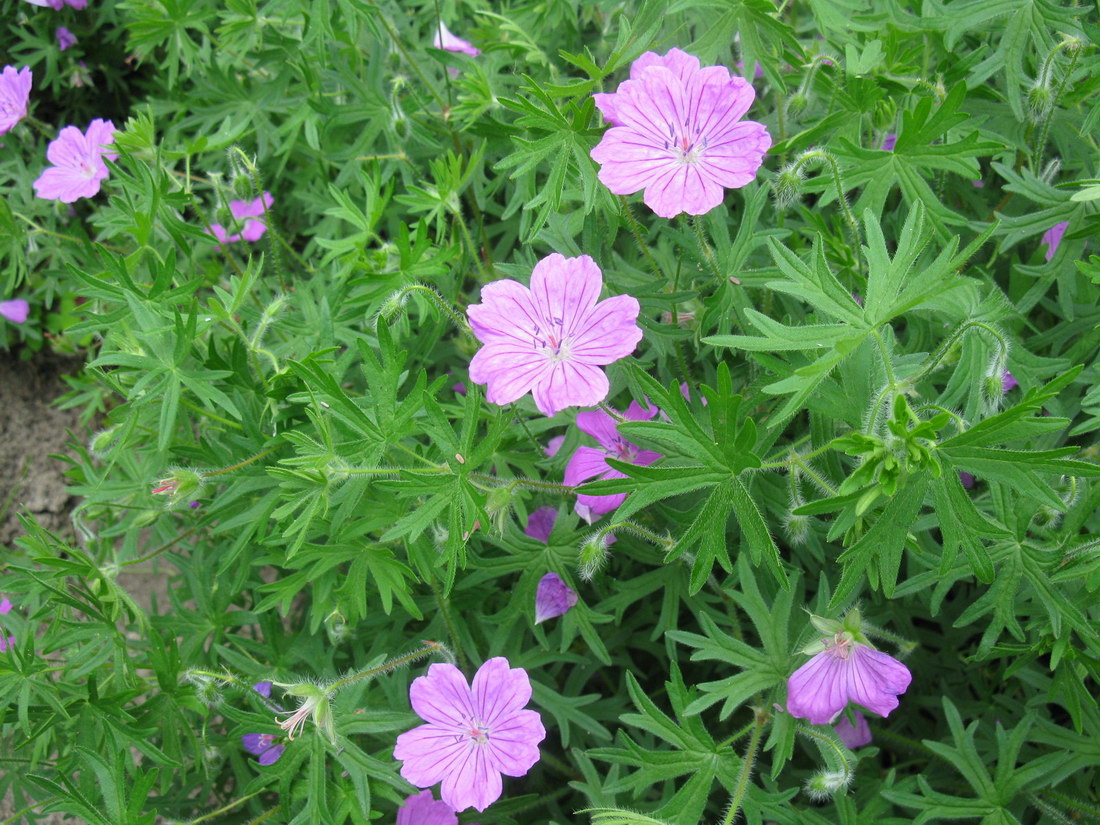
(498, 691)
(442, 697)
(585, 463)
(567, 384)
(473, 782)
(508, 369)
(513, 745)
(564, 291)
(429, 753)
(609, 331)
(506, 312)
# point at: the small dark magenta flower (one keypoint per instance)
(853, 737)
(553, 598)
(264, 746)
(845, 671)
(1053, 238)
(889, 142)
(5, 606)
(65, 38)
(424, 809)
(1008, 381)
(15, 310)
(677, 133)
(263, 688)
(541, 523)
(552, 338)
(474, 733)
(967, 479)
(589, 462)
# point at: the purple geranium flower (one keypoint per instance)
(77, 159)
(1008, 381)
(57, 5)
(553, 598)
(589, 462)
(6, 643)
(541, 522)
(551, 340)
(65, 38)
(15, 310)
(252, 213)
(15, 91)
(474, 733)
(5, 605)
(853, 737)
(967, 479)
(425, 809)
(264, 746)
(889, 142)
(449, 42)
(846, 671)
(678, 135)
(553, 445)
(1053, 238)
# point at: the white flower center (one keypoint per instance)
(477, 732)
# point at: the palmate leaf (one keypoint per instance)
(694, 752)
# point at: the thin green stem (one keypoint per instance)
(704, 247)
(905, 646)
(163, 548)
(1044, 129)
(615, 414)
(886, 363)
(445, 612)
(207, 414)
(414, 65)
(230, 806)
(741, 734)
(742, 786)
(639, 531)
(53, 234)
(18, 815)
(240, 464)
(636, 231)
(428, 649)
(437, 299)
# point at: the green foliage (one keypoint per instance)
(333, 508)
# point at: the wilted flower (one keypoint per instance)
(553, 598)
(449, 42)
(252, 213)
(77, 159)
(589, 462)
(677, 133)
(65, 38)
(1053, 238)
(474, 733)
(15, 310)
(853, 737)
(15, 91)
(551, 340)
(315, 704)
(846, 670)
(424, 809)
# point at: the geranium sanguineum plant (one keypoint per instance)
(473, 732)
(677, 133)
(552, 338)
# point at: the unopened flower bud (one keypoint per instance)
(337, 628)
(102, 442)
(242, 186)
(823, 785)
(787, 187)
(796, 105)
(498, 504)
(1038, 102)
(797, 529)
(392, 305)
(592, 557)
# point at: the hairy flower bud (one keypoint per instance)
(337, 628)
(787, 185)
(824, 784)
(1038, 102)
(592, 557)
